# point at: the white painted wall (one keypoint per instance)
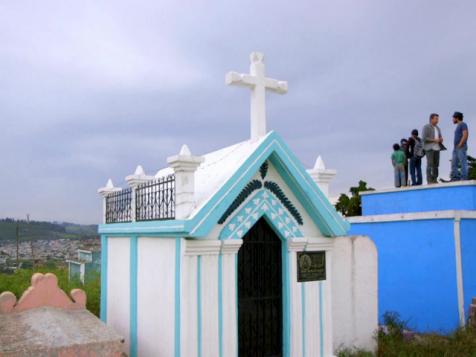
(155, 296)
(118, 292)
(354, 292)
(230, 332)
(209, 304)
(189, 306)
(295, 307)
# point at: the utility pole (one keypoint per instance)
(31, 242)
(18, 240)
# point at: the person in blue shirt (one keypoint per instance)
(460, 158)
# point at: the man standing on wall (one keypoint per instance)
(460, 150)
(415, 148)
(432, 144)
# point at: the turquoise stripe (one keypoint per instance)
(286, 301)
(103, 308)
(236, 293)
(178, 253)
(199, 306)
(321, 320)
(133, 296)
(303, 318)
(220, 306)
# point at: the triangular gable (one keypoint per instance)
(261, 204)
(295, 176)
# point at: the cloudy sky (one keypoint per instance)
(89, 89)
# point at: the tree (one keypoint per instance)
(351, 206)
(471, 168)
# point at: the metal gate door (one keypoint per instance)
(260, 301)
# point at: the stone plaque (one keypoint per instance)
(311, 266)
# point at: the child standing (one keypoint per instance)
(398, 162)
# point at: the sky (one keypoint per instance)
(90, 89)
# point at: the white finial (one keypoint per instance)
(109, 188)
(258, 84)
(185, 151)
(138, 177)
(109, 184)
(319, 165)
(139, 171)
(322, 176)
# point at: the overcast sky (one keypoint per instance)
(89, 89)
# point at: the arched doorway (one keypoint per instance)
(260, 293)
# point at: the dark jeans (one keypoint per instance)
(432, 163)
(459, 159)
(415, 171)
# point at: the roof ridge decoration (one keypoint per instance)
(256, 185)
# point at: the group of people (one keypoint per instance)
(407, 156)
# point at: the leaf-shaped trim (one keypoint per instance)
(243, 195)
(263, 170)
(276, 190)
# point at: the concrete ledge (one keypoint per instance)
(416, 216)
(422, 187)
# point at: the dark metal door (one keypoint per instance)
(260, 301)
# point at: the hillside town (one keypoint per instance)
(43, 251)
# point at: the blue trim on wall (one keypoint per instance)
(133, 296)
(166, 228)
(303, 318)
(103, 308)
(236, 304)
(199, 307)
(178, 247)
(220, 305)
(321, 320)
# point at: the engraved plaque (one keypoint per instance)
(311, 266)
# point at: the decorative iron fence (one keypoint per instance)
(118, 206)
(155, 200)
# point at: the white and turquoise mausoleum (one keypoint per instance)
(234, 253)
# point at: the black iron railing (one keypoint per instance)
(118, 206)
(154, 200)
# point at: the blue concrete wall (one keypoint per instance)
(434, 198)
(468, 258)
(417, 271)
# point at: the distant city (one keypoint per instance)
(37, 243)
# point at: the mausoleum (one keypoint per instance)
(231, 253)
(426, 239)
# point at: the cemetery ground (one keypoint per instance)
(393, 340)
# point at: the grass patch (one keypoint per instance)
(394, 340)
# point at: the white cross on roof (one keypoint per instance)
(258, 84)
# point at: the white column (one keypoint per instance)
(205, 297)
(314, 292)
(295, 245)
(104, 192)
(134, 180)
(184, 165)
(229, 251)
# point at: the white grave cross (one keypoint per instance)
(258, 84)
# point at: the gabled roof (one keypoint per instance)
(224, 173)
